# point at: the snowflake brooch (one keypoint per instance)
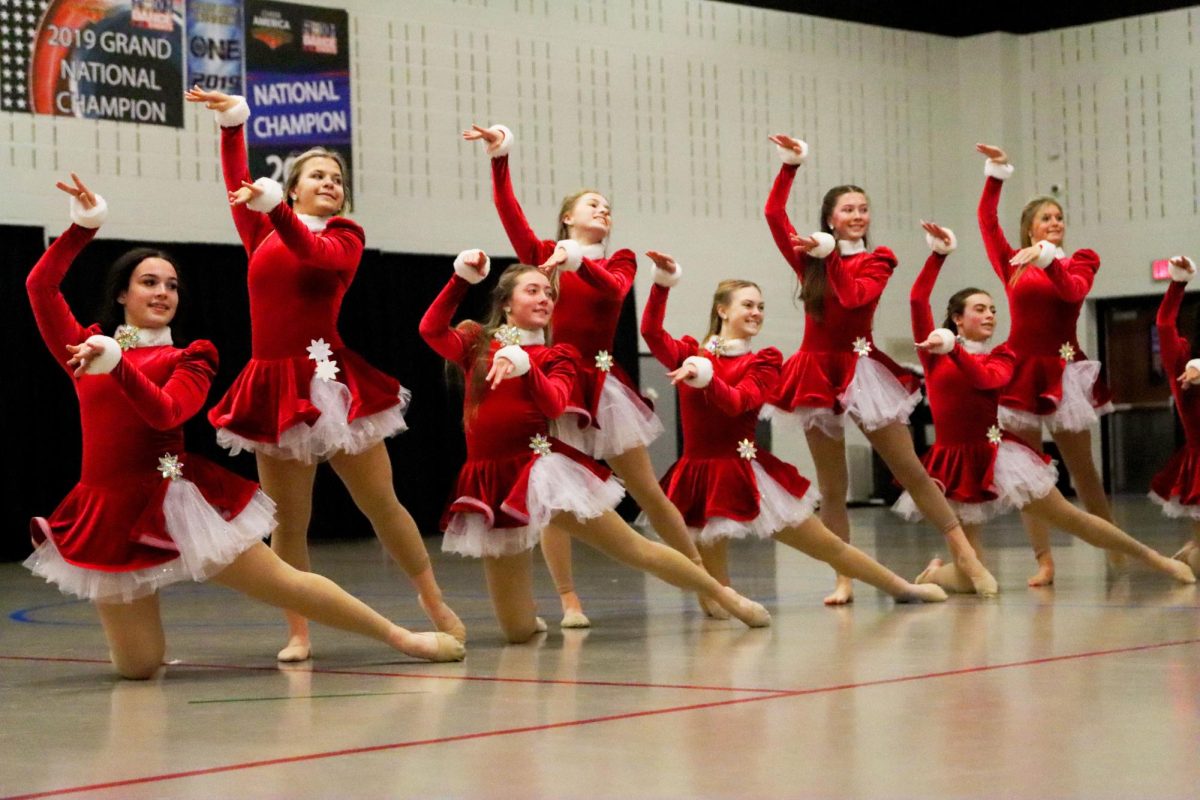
(1066, 352)
(327, 370)
(127, 336)
(716, 345)
(862, 347)
(994, 435)
(604, 361)
(540, 445)
(319, 350)
(507, 335)
(747, 450)
(170, 467)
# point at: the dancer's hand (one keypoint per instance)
(663, 261)
(1026, 255)
(493, 138)
(245, 194)
(802, 244)
(476, 261)
(686, 372)
(1190, 376)
(501, 369)
(550, 266)
(216, 101)
(1179, 262)
(82, 355)
(992, 152)
(936, 231)
(787, 143)
(931, 342)
(85, 196)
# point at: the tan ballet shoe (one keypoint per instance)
(923, 593)
(574, 619)
(295, 651)
(750, 613)
(446, 621)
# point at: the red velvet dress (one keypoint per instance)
(517, 475)
(297, 278)
(1053, 380)
(838, 369)
(982, 470)
(724, 486)
(125, 530)
(586, 317)
(1176, 487)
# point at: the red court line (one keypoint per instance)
(594, 720)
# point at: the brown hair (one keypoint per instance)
(481, 348)
(958, 305)
(1028, 213)
(722, 297)
(812, 289)
(568, 203)
(294, 171)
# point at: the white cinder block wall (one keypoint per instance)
(666, 105)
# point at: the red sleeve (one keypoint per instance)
(528, 248)
(449, 343)
(551, 379)
(998, 249)
(55, 321)
(865, 281)
(777, 217)
(751, 391)
(616, 277)
(338, 247)
(252, 226)
(1174, 348)
(918, 297)
(168, 406)
(1073, 278)
(991, 371)
(669, 351)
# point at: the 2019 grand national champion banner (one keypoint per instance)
(297, 83)
(100, 59)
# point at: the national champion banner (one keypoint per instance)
(297, 83)
(117, 60)
(215, 45)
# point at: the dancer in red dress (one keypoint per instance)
(593, 287)
(305, 397)
(1054, 383)
(983, 469)
(519, 476)
(1176, 487)
(723, 484)
(839, 371)
(146, 513)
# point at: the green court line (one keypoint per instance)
(296, 697)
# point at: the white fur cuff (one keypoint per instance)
(272, 195)
(940, 247)
(1047, 256)
(470, 274)
(518, 357)
(574, 255)
(789, 156)
(704, 371)
(946, 340)
(1182, 275)
(107, 361)
(506, 143)
(1194, 364)
(825, 244)
(668, 279)
(994, 169)
(236, 115)
(89, 217)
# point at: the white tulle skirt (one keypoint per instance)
(1075, 411)
(806, 418)
(967, 513)
(556, 483)
(875, 399)
(1020, 476)
(777, 509)
(206, 541)
(332, 433)
(625, 423)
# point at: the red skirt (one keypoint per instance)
(1176, 487)
(1066, 396)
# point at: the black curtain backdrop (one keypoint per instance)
(379, 319)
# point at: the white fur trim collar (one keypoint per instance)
(593, 251)
(313, 223)
(975, 348)
(727, 347)
(850, 247)
(143, 337)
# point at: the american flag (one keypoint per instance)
(18, 25)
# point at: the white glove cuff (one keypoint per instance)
(704, 371)
(272, 195)
(107, 361)
(470, 274)
(92, 217)
(518, 357)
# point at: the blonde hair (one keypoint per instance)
(723, 296)
(1028, 214)
(295, 170)
(568, 204)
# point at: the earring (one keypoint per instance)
(508, 309)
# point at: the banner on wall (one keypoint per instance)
(297, 83)
(118, 60)
(215, 45)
